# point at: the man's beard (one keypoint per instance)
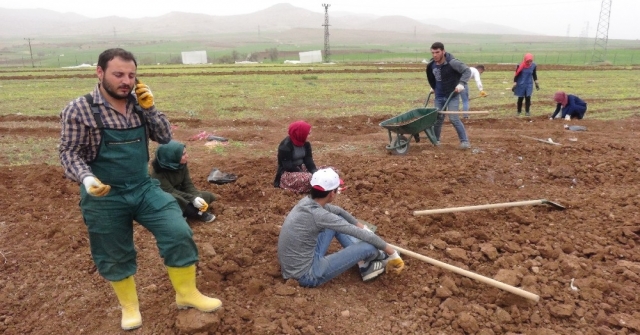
(113, 92)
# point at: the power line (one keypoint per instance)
(30, 52)
(602, 33)
(327, 51)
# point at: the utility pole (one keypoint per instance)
(30, 52)
(602, 33)
(327, 51)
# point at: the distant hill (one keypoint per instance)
(477, 27)
(281, 18)
(35, 22)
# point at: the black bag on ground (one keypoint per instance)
(218, 177)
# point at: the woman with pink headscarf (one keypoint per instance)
(523, 82)
(571, 106)
(295, 159)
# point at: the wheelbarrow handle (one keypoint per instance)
(428, 97)
(446, 104)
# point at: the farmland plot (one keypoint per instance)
(49, 282)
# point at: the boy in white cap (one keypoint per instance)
(309, 229)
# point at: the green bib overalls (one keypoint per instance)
(122, 163)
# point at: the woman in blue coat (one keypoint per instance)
(571, 105)
(523, 82)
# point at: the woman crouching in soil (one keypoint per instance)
(295, 160)
(171, 169)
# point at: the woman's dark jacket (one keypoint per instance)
(285, 159)
(575, 107)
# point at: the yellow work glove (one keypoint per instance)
(200, 204)
(145, 97)
(395, 264)
(95, 187)
(483, 93)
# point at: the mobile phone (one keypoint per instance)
(135, 85)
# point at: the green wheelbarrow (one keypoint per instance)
(410, 123)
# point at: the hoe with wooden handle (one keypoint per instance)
(463, 112)
(489, 206)
(472, 275)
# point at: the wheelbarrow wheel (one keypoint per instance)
(402, 146)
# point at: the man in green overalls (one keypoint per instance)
(104, 147)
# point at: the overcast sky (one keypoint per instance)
(549, 17)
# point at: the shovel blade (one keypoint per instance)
(554, 204)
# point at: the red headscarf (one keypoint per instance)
(524, 64)
(561, 98)
(298, 132)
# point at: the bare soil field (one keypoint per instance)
(49, 284)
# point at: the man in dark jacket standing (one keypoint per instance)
(446, 75)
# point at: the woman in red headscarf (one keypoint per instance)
(571, 105)
(295, 159)
(523, 82)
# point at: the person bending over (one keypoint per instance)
(572, 106)
(464, 95)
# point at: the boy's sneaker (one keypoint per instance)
(372, 271)
(382, 256)
(465, 145)
(207, 217)
(527, 114)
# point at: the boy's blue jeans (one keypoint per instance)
(464, 96)
(454, 118)
(326, 267)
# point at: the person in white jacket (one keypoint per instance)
(464, 95)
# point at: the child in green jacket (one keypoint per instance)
(170, 168)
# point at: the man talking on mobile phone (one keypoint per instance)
(104, 148)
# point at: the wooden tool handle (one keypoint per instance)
(462, 112)
(472, 275)
(540, 140)
(473, 208)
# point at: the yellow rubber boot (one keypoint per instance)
(187, 295)
(128, 298)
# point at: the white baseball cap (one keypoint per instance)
(325, 180)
